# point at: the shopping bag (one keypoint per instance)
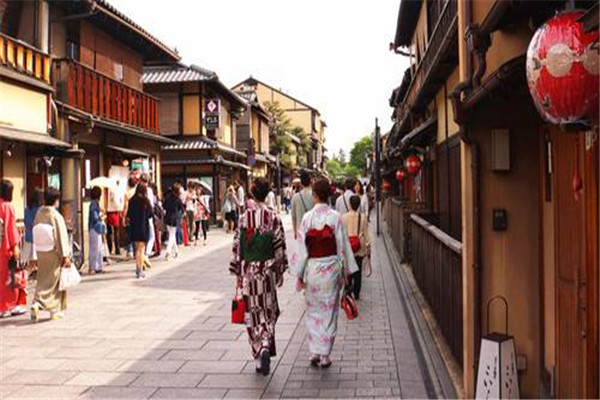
(69, 277)
(349, 306)
(367, 269)
(238, 309)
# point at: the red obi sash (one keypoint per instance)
(321, 242)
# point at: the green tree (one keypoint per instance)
(362, 149)
(279, 127)
(305, 145)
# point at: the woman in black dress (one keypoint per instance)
(138, 217)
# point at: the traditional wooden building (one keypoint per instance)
(252, 137)
(528, 198)
(300, 114)
(199, 112)
(29, 143)
(98, 58)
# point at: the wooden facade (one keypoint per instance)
(494, 155)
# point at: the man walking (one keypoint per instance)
(302, 202)
(342, 204)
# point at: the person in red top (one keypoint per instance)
(13, 300)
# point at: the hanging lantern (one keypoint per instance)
(400, 175)
(412, 164)
(386, 186)
(562, 70)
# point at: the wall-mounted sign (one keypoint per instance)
(212, 107)
(212, 121)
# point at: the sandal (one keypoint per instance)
(314, 360)
(325, 362)
(265, 361)
(35, 312)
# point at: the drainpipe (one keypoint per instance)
(461, 118)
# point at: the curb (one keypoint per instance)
(439, 379)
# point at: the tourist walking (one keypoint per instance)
(12, 297)
(201, 216)
(190, 210)
(35, 202)
(270, 200)
(325, 263)
(173, 207)
(259, 261)
(149, 250)
(138, 219)
(229, 209)
(357, 227)
(97, 228)
(342, 204)
(129, 193)
(52, 251)
(302, 202)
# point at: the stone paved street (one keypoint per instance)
(169, 337)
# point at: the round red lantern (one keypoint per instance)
(400, 175)
(386, 186)
(562, 70)
(412, 164)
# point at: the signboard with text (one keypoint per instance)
(212, 121)
(212, 107)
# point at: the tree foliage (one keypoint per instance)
(279, 127)
(362, 149)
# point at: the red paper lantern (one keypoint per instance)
(562, 70)
(386, 186)
(400, 175)
(412, 164)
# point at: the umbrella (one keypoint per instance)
(205, 186)
(103, 182)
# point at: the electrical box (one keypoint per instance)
(500, 150)
(499, 219)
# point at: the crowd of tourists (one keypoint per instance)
(326, 260)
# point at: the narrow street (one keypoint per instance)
(170, 337)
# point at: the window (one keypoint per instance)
(72, 49)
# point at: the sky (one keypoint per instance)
(331, 54)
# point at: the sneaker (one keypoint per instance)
(35, 312)
(265, 360)
(5, 314)
(18, 310)
(176, 255)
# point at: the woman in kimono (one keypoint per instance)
(51, 248)
(258, 262)
(324, 265)
(13, 299)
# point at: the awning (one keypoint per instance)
(31, 137)
(421, 134)
(129, 152)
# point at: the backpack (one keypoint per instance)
(355, 239)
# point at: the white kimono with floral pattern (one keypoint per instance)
(324, 278)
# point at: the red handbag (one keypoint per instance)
(349, 306)
(238, 309)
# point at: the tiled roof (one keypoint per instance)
(177, 74)
(203, 143)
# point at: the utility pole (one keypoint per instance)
(376, 166)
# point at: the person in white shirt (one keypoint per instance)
(241, 194)
(270, 200)
(342, 204)
(302, 202)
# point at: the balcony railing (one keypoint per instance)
(91, 91)
(442, 32)
(397, 214)
(23, 58)
(436, 262)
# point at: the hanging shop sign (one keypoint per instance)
(212, 121)
(562, 70)
(401, 175)
(212, 106)
(412, 164)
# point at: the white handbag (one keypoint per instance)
(69, 277)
